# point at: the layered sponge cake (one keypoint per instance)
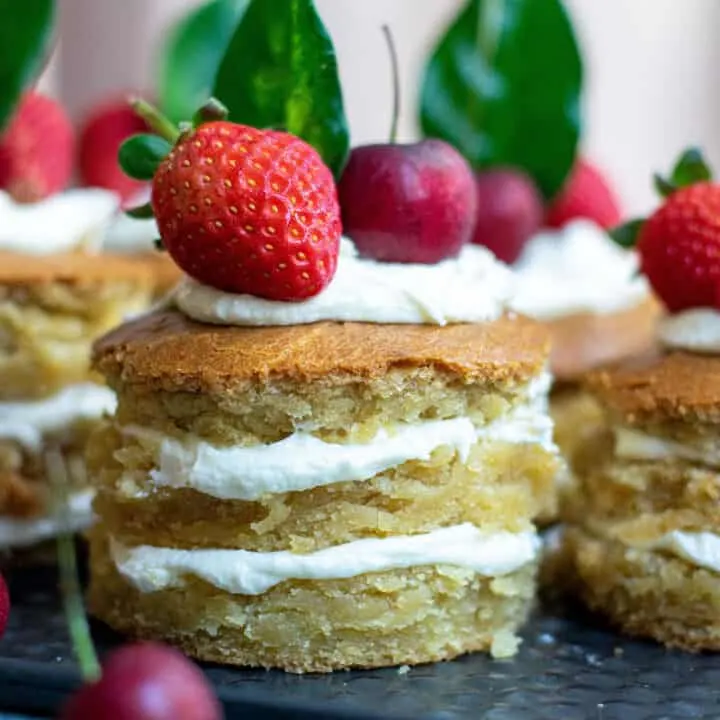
(645, 537)
(55, 300)
(326, 495)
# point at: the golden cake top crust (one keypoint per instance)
(17, 270)
(661, 387)
(168, 351)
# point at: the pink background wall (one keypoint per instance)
(652, 69)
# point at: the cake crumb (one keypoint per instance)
(618, 652)
(403, 670)
(505, 644)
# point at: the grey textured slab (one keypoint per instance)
(569, 668)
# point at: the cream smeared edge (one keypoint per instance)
(474, 287)
(576, 270)
(28, 422)
(65, 222)
(131, 235)
(302, 461)
(632, 444)
(78, 515)
(701, 549)
(696, 330)
(242, 572)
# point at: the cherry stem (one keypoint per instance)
(157, 122)
(69, 581)
(395, 68)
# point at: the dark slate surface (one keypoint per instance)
(569, 668)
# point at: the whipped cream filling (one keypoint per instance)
(243, 572)
(302, 461)
(578, 269)
(632, 444)
(696, 330)
(474, 287)
(65, 222)
(701, 549)
(77, 516)
(28, 422)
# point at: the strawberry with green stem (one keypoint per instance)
(679, 245)
(240, 209)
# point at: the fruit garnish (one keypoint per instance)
(105, 129)
(509, 212)
(139, 681)
(587, 194)
(679, 245)
(407, 203)
(146, 681)
(503, 86)
(4, 605)
(36, 149)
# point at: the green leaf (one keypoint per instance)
(192, 54)
(663, 187)
(690, 169)
(280, 71)
(142, 212)
(140, 155)
(26, 34)
(627, 235)
(504, 86)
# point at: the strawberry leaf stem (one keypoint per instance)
(690, 169)
(212, 110)
(157, 122)
(395, 69)
(78, 627)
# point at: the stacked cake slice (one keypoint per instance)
(322, 496)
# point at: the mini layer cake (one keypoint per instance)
(645, 536)
(587, 291)
(52, 307)
(323, 496)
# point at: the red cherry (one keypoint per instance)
(4, 605)
(146, 681)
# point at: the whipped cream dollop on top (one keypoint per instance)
(131, 235)
(65, 222)
(696, 330)
(243, 572)
(473, 287)
(578, 269)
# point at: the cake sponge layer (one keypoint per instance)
(647, 593)
(422, 614)
(47, 327)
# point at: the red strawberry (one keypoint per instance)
(36, 149)
(510, 212)
(107, 127)
(679, 248)
(249, 211)
(587, 194)
(4, 605)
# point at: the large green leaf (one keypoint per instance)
(280, 71)
(26, 28)
(192, 54)
(504, 86)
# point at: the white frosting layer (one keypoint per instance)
(576, 270)
(701, 549)
(633, 444)
(302, 461)
(27, 422)
(243, 572)
(696, 330)
(67, 221)
(130, 235)
(77, 516)
(474, 287)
